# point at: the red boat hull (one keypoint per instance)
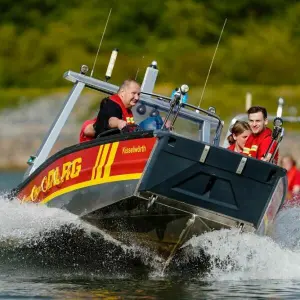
(94, 165)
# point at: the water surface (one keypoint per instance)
(48, 253)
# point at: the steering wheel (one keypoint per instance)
(131, 128)
(109, 132)
(127, 129)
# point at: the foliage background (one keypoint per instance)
(40, 40)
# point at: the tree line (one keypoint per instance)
(40, 40)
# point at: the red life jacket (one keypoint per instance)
(231, 147)
(293, 176)
(126, 112)
(82, 137)
(257, 145)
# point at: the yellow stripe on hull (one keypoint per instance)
(91, 183)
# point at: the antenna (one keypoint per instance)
(138, 69)
(212, 61)
(111, 64)
(100, 43)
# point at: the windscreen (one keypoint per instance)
(152, 118)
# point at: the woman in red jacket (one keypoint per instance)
(240, 132)
(293, 175)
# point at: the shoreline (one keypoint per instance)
(12, 169)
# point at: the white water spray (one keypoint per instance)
(286, 230)
(25, 223)
(246, 256)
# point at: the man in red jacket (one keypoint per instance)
(258, 142)
(115, 111)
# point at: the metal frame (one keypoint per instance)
(146, 97)
(55, 129)
(80, 80)
(201, 213)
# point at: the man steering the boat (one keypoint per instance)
(115, 111)
(260, 139)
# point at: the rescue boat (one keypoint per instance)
(159, 187)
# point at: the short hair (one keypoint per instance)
(256, 109)
(237, 128)
(126, 83)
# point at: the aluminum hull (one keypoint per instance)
(157, 190)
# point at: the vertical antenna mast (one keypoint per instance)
(212, 61)
(92, 72)
(111, 64)
(138, 69)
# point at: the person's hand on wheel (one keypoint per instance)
(132, 128)
(121, 124)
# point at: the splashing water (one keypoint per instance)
(286, 230)
(32, 234)
(235, 256)
(24, 222)
(230, 255)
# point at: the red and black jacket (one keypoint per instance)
(257, 145)
(126, 112)
(112, 107)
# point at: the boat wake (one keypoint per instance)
(234, 256)
(286, 230)
(37, 237)
(34, 237)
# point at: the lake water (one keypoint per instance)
(47, 253)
